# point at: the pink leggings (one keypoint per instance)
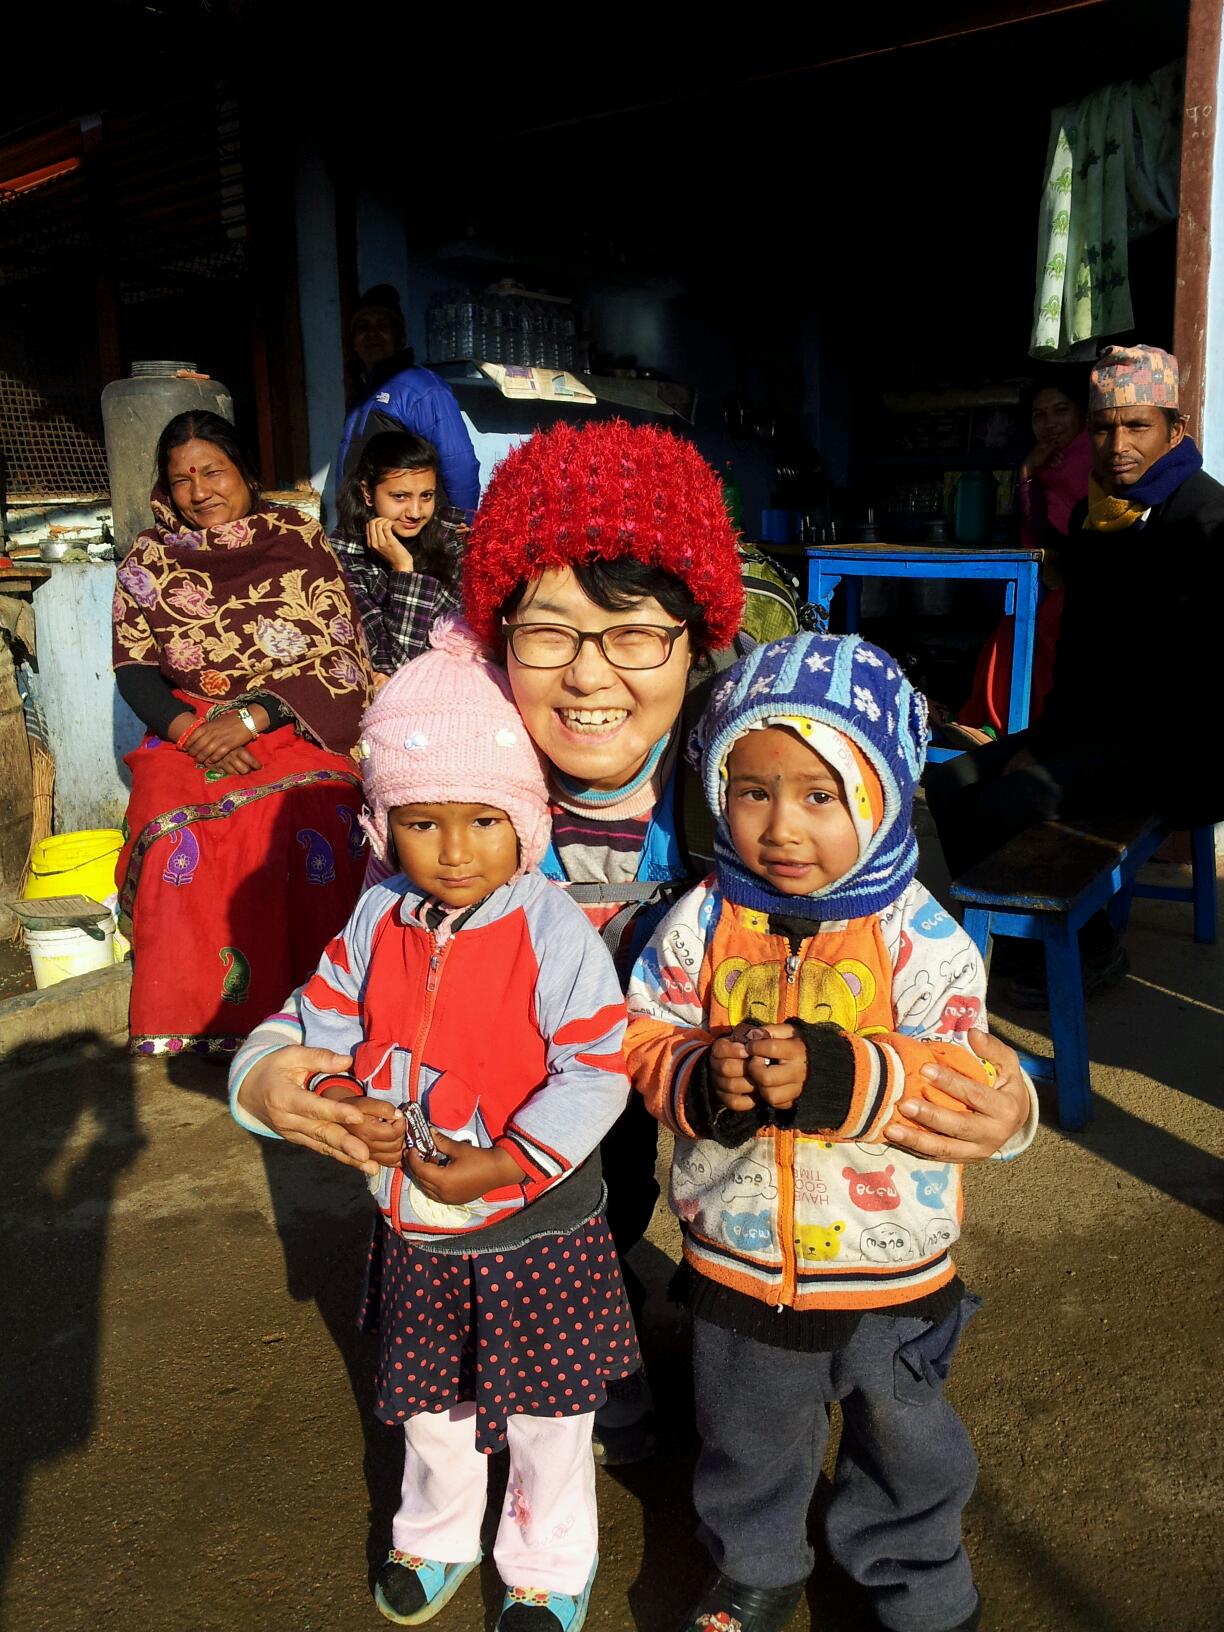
(548, 1534)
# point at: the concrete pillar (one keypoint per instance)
(1213, 371)
(319, 304)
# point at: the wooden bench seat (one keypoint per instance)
(1044, 885)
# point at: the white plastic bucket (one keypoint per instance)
(58, 954)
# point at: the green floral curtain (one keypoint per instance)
(1111, 175)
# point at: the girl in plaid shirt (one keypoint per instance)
(400, 560)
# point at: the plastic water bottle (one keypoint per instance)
(568, 332)
(465, 324)
(523, 348)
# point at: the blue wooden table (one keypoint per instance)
(829, 565)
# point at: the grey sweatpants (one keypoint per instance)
(905, 1467)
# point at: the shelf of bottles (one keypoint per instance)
(524, 330)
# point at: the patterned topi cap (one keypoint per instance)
(1133, 376)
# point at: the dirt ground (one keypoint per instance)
(16, 971)
(185, 1398)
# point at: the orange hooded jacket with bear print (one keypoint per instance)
(837, 1219)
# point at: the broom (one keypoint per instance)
(42, 791)
(42, 760)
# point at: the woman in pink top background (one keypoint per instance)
(1053, 479)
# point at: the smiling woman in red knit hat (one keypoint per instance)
(603, 565)
(621, 533)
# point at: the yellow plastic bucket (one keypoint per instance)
(75, 864)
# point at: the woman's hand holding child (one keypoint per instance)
(988, 1115)
(759, 1063)
(274, 1092)
(470, 1173)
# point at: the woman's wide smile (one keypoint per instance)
(593, 722)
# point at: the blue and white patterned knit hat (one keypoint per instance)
(861, 692)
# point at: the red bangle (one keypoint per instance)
(334, 1079)
(183, 735)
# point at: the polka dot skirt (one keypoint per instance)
(539, 1330)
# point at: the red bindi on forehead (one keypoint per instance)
(191, 470)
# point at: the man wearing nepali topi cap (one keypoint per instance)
(1137, 430)
(1129, 723)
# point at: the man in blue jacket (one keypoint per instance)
(397, 396)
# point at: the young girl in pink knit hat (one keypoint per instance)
(470, 990)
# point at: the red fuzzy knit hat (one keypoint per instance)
(597, 492)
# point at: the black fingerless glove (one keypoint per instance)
(709, 1118)
(828, 1090)
(823, 1104)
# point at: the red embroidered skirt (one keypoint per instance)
(233, 886)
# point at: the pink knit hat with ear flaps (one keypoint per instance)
(444, 730)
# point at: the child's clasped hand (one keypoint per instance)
(758, 1064)
(381, 1129)
(469, 1174)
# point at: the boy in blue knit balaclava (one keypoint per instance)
(779, 1015)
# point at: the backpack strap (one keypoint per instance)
(629, 898)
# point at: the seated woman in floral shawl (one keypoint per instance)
(237, 645)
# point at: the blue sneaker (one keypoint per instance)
(531, 1609)
(412, 1590)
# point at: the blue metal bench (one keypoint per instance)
(1045, 884)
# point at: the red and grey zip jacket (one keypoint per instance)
(508, 1032)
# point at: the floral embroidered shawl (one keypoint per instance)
(254, 605)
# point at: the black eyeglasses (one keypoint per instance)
(624, 646)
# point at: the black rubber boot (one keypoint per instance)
(624, 1430)
(744, 1609)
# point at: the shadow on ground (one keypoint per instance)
(323, 1222)
(78, 1135)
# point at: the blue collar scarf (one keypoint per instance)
(861, 894)
(1161, 480)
